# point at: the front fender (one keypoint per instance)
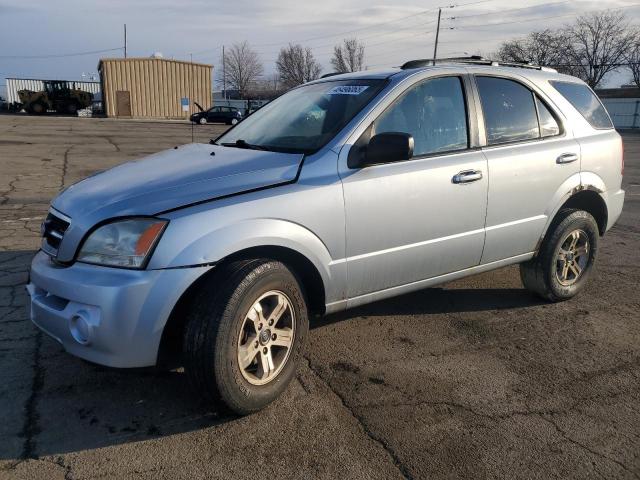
(214, 245)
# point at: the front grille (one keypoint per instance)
(53, 229)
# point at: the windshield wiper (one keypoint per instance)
(243, 144)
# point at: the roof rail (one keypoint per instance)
(473, 60)
(331, 74)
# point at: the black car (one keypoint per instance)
(228, 115)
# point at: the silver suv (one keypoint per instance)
(343, 191)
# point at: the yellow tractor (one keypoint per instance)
(57, 95)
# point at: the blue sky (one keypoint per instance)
(391, 32)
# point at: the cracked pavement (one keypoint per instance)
(473, 379)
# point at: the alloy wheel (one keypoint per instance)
(266, 337)
(572, 257)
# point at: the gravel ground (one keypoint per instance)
(474, 379)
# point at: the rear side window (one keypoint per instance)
(586, 102)
(509, 110)
(433, 112)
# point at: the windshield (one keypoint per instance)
(303, 120)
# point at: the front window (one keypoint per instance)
(433, 112)
(303, 120)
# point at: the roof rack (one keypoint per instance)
(473, 60)
(331, 74)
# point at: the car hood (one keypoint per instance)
(167, 180)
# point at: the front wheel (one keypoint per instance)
(244, 334)
(71, 108)
(38, 108)
(202, 121)
(566, 257)
(234, 121)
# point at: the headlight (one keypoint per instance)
(123, 243)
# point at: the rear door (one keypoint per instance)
(529, 155)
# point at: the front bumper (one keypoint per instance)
(114, 317)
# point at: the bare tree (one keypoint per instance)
(348, 57)
(598, 43)
(589, 49)
(633, 60)
(242, 67)
(547, 48)
(296, 65)
(551, 48)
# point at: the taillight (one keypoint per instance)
(622, 156)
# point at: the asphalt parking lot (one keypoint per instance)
(474, 379)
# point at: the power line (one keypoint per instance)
(473, 27)
(459, 17)
(315, 47)
(60, 55)
(347, 32)
(404, 37)
(467, 4)
(320, 37)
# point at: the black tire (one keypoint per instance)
(214, 324)
(71, 108)
(38, 108)
(202, 121)
(539, 274)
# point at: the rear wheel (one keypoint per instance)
(234, 121)
(566, 257)
(244, 334)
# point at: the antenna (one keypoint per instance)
(435, 48)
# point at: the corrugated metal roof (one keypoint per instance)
(626, 92)
(151, 59)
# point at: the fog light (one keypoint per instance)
(80, 328)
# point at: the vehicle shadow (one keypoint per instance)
(439, 300)
(68, 405)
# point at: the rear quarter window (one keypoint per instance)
(586, 102)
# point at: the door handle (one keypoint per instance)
(467, 176)
(567, 158)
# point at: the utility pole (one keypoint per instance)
(190, 92)
(435, 48)
(224, 76)
(125, 40)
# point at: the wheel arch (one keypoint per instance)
(304, 269)
(592, 202)
(582, 197)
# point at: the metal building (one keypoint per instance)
(623, 105)
(14, 85)
(153, 87)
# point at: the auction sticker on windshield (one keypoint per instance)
(347, 90)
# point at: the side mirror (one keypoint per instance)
(388, 147)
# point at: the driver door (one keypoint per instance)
(417, 219)
(213, 115)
